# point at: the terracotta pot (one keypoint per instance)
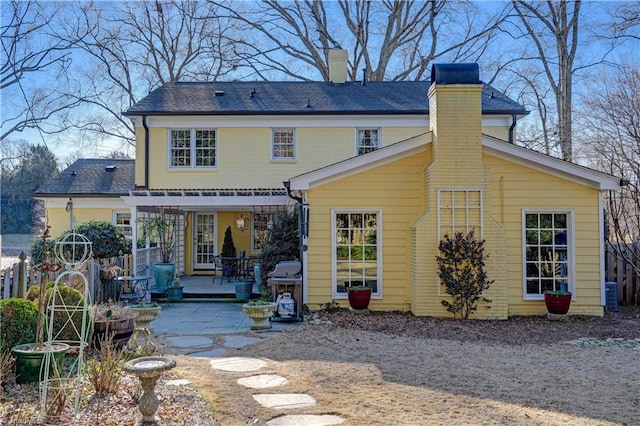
(557, 303)
(359, 299)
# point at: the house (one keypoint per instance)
(89, 189)
(383, 170)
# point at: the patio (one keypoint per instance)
(201, 287)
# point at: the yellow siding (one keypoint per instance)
(58, 218)
(396, 189)
(244, 157)
(520, 187)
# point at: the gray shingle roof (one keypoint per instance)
(302, 98)
(92, 177)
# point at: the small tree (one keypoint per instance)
(461, 270)
(282, 243)
(228, 248)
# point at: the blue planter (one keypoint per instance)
(243, 290)
(163, 274)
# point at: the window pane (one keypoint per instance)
(546, 252)
(205, 145)
(181, 148)
(356, 249)
(283, 143)
(368, 141)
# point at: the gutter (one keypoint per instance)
(146, 152)
(514, 120)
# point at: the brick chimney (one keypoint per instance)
(338, 65)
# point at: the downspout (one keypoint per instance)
(514, 120)
(146, 152)
(287, 185)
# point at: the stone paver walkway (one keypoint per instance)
(208, 330)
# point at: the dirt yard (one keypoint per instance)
(396, 369)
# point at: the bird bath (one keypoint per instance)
(148, 370)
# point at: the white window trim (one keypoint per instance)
(114, 221)
(192, 149)
(467, 228)
(295, 145)
(357, 139)
(334, 272)
(570, 248)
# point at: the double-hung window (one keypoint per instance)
(122, 221)
(283, 144)
(547, 256)
(357, 250)
(367, 140)
(192, 148)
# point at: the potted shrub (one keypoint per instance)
(161, 227)
(175, 291)
(259, 311)
(145, 312)
(557, 301)
(359, 296)
(113, 321)
(29, 356)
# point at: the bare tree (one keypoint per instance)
(34, 62)
(554, 29)
(392, 40)
(612, 123)
(627, 21)
(136, 47)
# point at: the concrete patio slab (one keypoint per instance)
(190, 341)
(285, 401)
(262, 381)
(307, 420)
(239, 341)
(238, 364)
(214, 353)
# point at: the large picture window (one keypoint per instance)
(283, 144)
(192, 148)
(547, 252)
(367, 140)
(356, 251)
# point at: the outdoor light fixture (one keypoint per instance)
(241, 223)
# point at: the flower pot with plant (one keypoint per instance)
(259, 311)
(162, 228)
(175, 291)
(359, 297)
(557, 302)
(30, 356)
(114, 321)
(145, 312)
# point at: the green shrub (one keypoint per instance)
(282, 242)
(107, 241)
(18, 321)
(67, 325)
(461, 270)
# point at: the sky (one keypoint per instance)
(68, 144)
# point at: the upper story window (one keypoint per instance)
(122, 221)
(192, 148)
(283, 144)
(367, 140)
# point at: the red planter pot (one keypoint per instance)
(359, 299)
(557, 303)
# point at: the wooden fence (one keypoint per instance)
(622, 266)
(15, 280)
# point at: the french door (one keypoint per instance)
(204, 240)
